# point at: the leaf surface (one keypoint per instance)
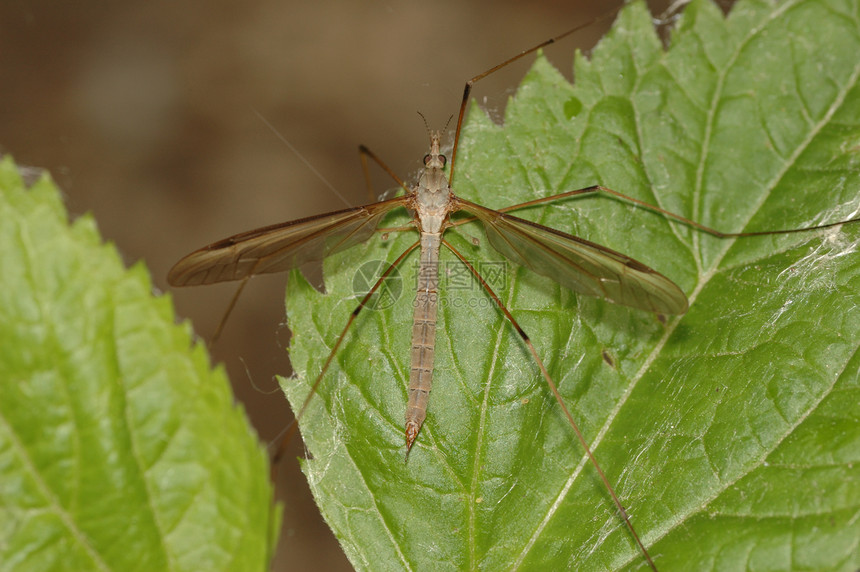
(120, 449)
(731, 433)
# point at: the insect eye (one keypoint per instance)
(444, 159)
(427, 159)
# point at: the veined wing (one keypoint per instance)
(578, 264)
(281, 246)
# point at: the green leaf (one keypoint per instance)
(732, 433)
(119, 448)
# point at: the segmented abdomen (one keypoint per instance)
(423, 336)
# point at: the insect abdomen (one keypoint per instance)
(423, 337)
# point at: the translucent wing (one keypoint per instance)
(578, 264)
(281, 246)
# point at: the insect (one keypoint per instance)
(545, 250)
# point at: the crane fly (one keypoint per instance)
(577, 264)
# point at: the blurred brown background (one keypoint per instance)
(145, 112)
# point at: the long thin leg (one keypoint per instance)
(654, 208)
(468, 88)
(558, 398)
(227, 312)
(365, 152)
(291, 429)
(368, 184)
